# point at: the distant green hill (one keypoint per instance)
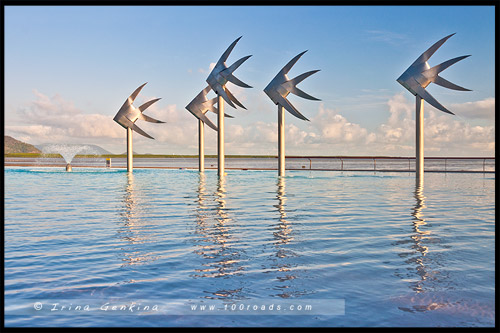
(13, 146)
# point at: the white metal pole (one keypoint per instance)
(281, 141)
(220, 136)
(419, 139)
(201, 145)
(129, 150)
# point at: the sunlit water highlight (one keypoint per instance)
(397, 253)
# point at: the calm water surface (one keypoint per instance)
(367, 249)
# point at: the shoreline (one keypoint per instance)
(36, 155)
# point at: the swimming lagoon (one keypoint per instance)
(101, 247)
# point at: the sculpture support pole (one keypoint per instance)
(281, 141)
(201, 145)
(419, 139)
(129, 150)
(220, 135)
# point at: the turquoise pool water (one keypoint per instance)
(97, 247)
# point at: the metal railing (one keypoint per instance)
(386, 163)
(331, 163)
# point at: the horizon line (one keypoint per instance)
(149, 155)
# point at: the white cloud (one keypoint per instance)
(484, 109)
(387, 36)
(400, 127)
(335, 128)
(53, 118)
(210, 67)
(56, 120)
(443, 134)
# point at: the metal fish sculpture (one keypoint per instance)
(419, 75)
(221, 74)
(128, 113)
(200, 105)
(279, 88)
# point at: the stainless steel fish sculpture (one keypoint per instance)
(128, 113)
(200, 105)
(221, 74)
(419, 75)
(279, 88)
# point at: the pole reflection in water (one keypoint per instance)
(283, 233)
(202, 207)
(419, 235)
(423, 261)
(284, 263)
(217, 245)
(133, 230)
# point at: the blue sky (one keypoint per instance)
(68, 69)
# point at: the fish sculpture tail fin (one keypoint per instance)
(291, 85)
(231, 97)
(148, 104)
(432, 72)
(150, 119)
(447, 84)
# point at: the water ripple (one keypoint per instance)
(398, 253)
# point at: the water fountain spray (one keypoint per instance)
(67, 151)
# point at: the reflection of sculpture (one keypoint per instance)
(423, 268)
(215, 242)
(132, 228)
(416, 78)
(282, 234)
(217, 80)
(419, 235)
(289, 282)
(278, 89)
(202, 193)
(199, 106)
(128, 115)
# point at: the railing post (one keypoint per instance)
(445, 165)
(341, 164)
(484, 164)
(374, 165)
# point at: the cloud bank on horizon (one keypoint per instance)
(54, 119)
